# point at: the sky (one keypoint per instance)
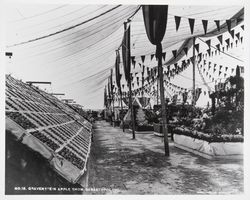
(73, 46)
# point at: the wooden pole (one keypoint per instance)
(122, 110)
(193, 102)
(157, 90)
(128, 59)
(163, 106)
(132, 110)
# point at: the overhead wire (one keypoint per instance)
(66, 29)
(39, 14)
(47, 51)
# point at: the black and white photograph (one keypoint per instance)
(132, 98)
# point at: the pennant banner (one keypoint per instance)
(204, 23)
(191, 24)
(177, 22)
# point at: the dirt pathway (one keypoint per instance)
(121, 165)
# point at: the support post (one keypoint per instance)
(163, 103)
(193, 61)
(132, 109)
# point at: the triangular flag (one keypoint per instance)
(174, 53)
(228, 24)
(152, 56)
(232, 33)
(142, 59)
(191, 24)
(177, 22)
(242, 26)
(196, 46)
(220, 38)
(208, 42)
(217, 22)
(232, 70)
(164, 55)
(218, 46)
(227, 41)
(226, 68)
(185, 50)
(238, 35)
(209, 51)
(225, 75)
(241, 39)
(219, 73)
(220, 67)
(204, 23)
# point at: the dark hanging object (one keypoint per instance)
(209, 51)
(242, 26)
(174, 53)
(237, 35)
(123, 86)
(220, 37)
(204, 23)
(191, 24)
(176, 66)
(223, 48)
(208, 42)
(232, 70)
(228, 24)
(142, 59)
(217, 22)
(218, 46)
(219, 73)
(227, 41)
(177, 22)
(232, 44)
(197, 47)
(117, 71)
(226, 68)
(185, 50)
(126, 52)
(241, 39)
(225, 75)
(220, 67)
(152, 56)
(232, 33)
(164, 55)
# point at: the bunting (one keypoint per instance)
(217, 22)
(177, 22)
(204, 23)
(191, 24)
(220, 37)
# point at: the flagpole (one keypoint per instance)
(193, 61)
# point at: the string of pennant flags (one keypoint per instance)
(191, 22)
(146, 78)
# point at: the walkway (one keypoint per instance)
(126, 166)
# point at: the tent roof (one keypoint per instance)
(73, 46)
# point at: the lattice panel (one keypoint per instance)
(50, 127)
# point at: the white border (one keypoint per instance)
(170, 2)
